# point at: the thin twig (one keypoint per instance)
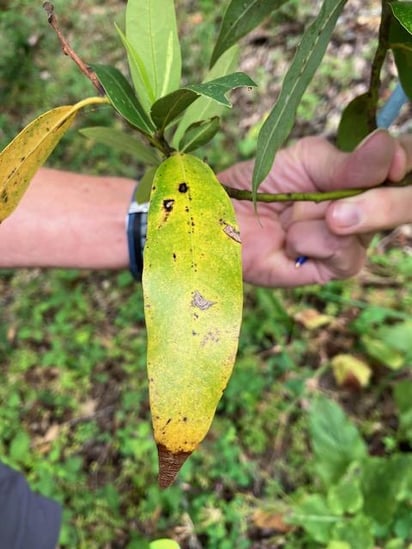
(68, 50)
(239, 194)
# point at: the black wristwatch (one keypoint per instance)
(136, 227)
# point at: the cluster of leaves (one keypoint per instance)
(362, 499)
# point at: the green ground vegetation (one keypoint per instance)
(309, 448)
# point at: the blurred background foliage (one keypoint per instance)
(74, 413)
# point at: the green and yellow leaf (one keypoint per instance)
(192, 284)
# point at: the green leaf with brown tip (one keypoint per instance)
(192, 285)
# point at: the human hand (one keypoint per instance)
(334, 235)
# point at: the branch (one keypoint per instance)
(239, 194)
(67, 49)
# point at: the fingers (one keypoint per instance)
(377, 158)
(375, 210)
(343, 256)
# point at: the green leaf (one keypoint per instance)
(30, 149)
(400, 41)
(19, 447)
(307, 59)
(164, 544)
(382, 352)
(123, 98)
(151, 32)
(167, 108)
(218, 88)
(382, 482)
(192, 317)
(403, 13)
(140, 78)
(346, 496)
(145, 186)
(199, 134)
(335, 440)
(239, 19)
(119, 140)
(315, 517)
(353, 125)
(403, 398)
(206, 108)
(356, 531)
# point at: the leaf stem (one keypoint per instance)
(377, 64)
(239, 194)
(68, 50)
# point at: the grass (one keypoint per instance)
(74, 414)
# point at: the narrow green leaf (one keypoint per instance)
(204, 107)
(400, 41)
(239, 19)
(169, 107)
(151, 31)
(199, 134)
(336, 442)
(307, 59)
(353, 125)
(403, 13)
(140, 78)
(123, 98)
(121, 141)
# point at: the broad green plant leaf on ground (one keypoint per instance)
(30, 149)
(192, 286)
(154, 56)
(239, 19)
(119, 140)
(335, 440)
(123, 98)
(206, 108)
(169, 107)
(308, 56)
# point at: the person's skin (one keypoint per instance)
(72, 220)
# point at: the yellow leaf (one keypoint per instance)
(192, 283)
(351, 371)
(20, 160)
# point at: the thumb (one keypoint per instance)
(375, 210)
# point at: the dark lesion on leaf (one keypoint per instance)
(168, 204)
(231, 231)
(183, 187)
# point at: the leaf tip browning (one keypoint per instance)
(169, 465)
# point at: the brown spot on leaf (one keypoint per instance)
(201, 302)
(169, 465)
(183, 187)
(231, 231)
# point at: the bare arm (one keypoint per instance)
(68, 220)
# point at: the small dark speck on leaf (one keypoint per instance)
(183, 187)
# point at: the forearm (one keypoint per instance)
(68, 220)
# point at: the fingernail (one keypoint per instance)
(346, 215)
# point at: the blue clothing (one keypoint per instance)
(27, 520)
